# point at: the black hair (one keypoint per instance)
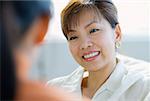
(15, 19)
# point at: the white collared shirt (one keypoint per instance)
(128, 82)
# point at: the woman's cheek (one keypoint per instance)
(74, 50)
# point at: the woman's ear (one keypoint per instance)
(118, 33)
(42, 28)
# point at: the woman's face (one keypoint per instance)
(92, 42)
(25, 51)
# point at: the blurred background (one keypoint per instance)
(54, 59)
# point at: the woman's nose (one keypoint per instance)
(85, 43)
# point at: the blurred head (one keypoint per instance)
(23, 25)
(91, 28)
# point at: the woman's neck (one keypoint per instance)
(97, 78)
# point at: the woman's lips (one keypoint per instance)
(89, 56)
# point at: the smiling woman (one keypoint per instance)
(93, 33)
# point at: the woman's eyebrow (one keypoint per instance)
(91, 23)
(70, 32)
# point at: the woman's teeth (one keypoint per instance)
(90, 55)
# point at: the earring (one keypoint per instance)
(117, 44)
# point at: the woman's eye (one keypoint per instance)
(73, 38)
(94, 30)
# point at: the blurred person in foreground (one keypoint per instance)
(23, 25)
(93, 33)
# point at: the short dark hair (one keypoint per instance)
(106, 8)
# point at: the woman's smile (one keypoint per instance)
(90, 56)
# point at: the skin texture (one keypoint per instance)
(94, 35)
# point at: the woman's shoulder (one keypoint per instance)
(136, 82)
(136, 79)
(138, 74)
(68, 79)
(138, 71)
(135, 65)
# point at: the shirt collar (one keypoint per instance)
(116, 77)
(114, 80)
